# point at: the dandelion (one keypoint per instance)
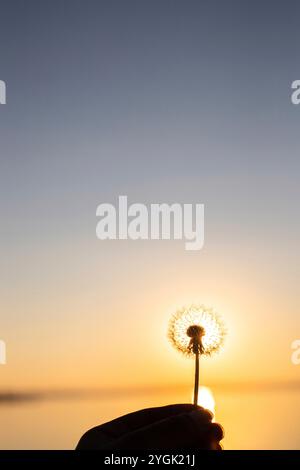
(196, 331)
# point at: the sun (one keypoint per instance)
(199, 320)
(206, 399)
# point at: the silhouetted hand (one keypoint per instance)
(166, 427)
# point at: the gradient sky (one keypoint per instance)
(164, 101)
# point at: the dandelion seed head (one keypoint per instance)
(196, 323)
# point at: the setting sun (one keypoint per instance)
(206, 399)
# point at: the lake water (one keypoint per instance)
(252, 420)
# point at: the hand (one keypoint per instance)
(166, 427)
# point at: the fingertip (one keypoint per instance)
(217, 431)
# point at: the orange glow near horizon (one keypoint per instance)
(70, 333)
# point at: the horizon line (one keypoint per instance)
(15, 396)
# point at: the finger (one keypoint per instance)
(146, 417)
(217, 431)
(212, 438)
(185, 430)
(133, 421)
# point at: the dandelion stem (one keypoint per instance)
(196, 387)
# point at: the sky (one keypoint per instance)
(162, 101)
